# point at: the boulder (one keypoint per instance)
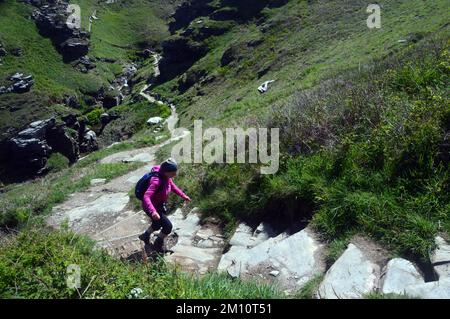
(71, 121)
(441, 258)
(231, 54)
(190, 78)
(89, 142)
(84, 64)
(20, 84)
(399, 274)
(50, 18)
(29, 149)
(16, 52)
(430, 290)
(112, 98)
(74, 48)
(352, 276)
(295, 259)
(61, 141)
(155, 120)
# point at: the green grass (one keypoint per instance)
(52, 76)
(57, 162)
(305, 44)
(377, 295)
(309, 290)
(121, 31)
(34, 265)
(24, 203)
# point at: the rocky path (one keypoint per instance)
(288, 259)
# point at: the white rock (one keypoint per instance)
(351, 276)
(233, 260)
(295, 255)
(106, 204)
(142, 158)
(430, 290)
(98, 181)
(274, 273)
(399, 274)
(206, 243)
(155, 120)
(242, 236)
(441, 258)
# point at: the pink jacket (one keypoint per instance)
(152, 198)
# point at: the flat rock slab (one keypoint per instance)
(352, 276)
(296, 259)
(245, 236)
(399, 274)
(102, 213)
(98, 181)
(142, 157)
(90, 216)
(430, 290)
(146, 154)
(190, 252)
(441, 258)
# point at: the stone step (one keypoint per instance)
(351, 277)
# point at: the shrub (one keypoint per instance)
(94, 116)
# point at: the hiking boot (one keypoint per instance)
(159, 245)
(145, 237)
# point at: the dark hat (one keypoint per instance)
(169, 165)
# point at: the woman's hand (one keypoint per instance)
(156, 216)
(187, 199)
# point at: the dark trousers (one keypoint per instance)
(164, 222)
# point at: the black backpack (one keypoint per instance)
(142, 184)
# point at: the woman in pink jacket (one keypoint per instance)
(154, 202)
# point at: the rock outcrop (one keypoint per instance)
(179, 54)
(29, 150)
(20, 84)
(51, 19)
(31, 147)
(290, 261)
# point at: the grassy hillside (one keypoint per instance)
(363, 114)
(300, 44)
(121, 31)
